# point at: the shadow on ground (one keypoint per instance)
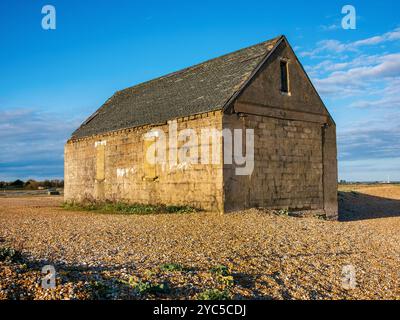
(102, 283)
(354, 206)
(99, 282)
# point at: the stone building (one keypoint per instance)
(263, 88)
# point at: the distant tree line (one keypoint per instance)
(344, 182)
(31, 184)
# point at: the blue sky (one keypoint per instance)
(51, 80)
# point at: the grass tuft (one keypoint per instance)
(172, 267)
(223, 275)
(9, 254)
(283, 212)
(124, 208)
(148, 287)
(221, 270)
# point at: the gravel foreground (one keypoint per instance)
(267, 256)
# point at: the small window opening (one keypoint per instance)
(284, 76)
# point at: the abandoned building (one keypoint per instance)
(263, 88)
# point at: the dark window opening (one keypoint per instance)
(284, 76)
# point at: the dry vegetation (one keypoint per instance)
(253, 254)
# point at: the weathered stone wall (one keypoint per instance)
(287, 165)
(197, 185)
(295, 142)
(330, 171)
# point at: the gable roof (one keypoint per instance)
(205, 87)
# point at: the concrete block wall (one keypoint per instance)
(288, 170)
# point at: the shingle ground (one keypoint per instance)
(268, 256)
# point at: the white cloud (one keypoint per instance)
(370, 169)
(361, 74)
(333, 65)
(389, 36)
(361, 80)
(336, 46)
(331, 27)
(32, 143)
(389, 102)
(374, 139)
